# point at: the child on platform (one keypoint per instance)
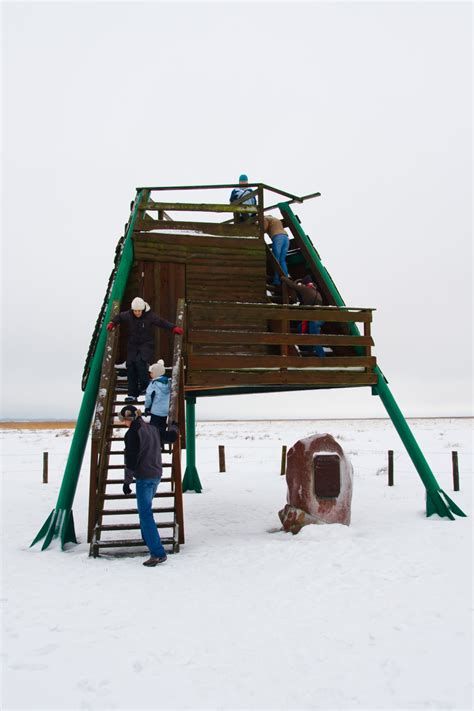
(157, 397)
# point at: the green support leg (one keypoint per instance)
(437, 501)
(60, 523)
(191, 480)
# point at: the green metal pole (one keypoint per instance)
(60, 522)
(437, 501)
(191, 480)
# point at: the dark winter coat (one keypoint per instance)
(143, 450)
(308, 296)
(140, 343)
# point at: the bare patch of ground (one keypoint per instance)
(39, 425)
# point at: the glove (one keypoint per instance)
(147, 411)
(179, 331)
(110, 326)
(126, 489)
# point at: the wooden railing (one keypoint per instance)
(214, 368)
(100, 424)
(177, 414)
(227, 227)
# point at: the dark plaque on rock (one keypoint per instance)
(327, 476)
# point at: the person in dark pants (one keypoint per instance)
(143, 464)
(140, 346)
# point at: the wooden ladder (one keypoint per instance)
(107, 503)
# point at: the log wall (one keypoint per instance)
(169, 266)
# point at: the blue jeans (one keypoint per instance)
(146, 489)
(314, 328)
(280, 245)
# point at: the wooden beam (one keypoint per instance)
(167, 240)
(242, 229)
(278, 312)
(224, 361)
(292, 377)
(200, 207)
(245, 337)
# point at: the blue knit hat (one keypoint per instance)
(243, 178)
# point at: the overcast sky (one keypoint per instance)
(370, 103)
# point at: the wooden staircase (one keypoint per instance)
(113, 517)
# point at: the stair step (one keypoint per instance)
(127, 544)
(113, 497)
(166, 450)
(131, 526)
(123, 403)
(125, 512)
(122, 466)
(164, 480)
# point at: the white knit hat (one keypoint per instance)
(138, 304)
(157, 369)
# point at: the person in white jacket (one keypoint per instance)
(157, 397)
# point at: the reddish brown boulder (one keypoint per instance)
(319, 478)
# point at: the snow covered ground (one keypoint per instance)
(371, 616)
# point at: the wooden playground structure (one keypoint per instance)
(201, 266)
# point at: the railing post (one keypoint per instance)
(221, 458)
(367, 334)
(390, 467)
(178, 488)
(285, 325)
(455, 471)
(261, 209)
(45, 467)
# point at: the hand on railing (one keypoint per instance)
(110, 326)
(179, 331)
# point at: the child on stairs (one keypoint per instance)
(157, 397)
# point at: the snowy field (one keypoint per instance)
(371, 616)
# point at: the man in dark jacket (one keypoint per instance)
(140, 346)
(143, 464)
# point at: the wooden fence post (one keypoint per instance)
(455, 471)
(221, 458)
(390, 467)
(283, 460)
(45, 467)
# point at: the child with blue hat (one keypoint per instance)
(238, 193)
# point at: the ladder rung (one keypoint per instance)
(125, 512)
(131, 526)
(122, 466)
(127, 544)
(112, 497)
(122, 403)
(163, 480)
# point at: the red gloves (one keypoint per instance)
(178, 330)
(110, 326)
